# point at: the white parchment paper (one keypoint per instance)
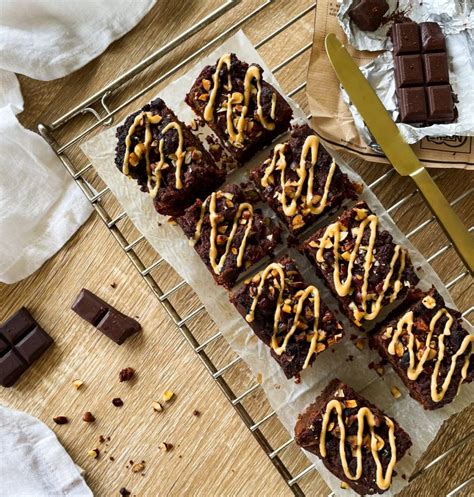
(456, 18)
(286, 397)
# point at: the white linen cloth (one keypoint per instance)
(40, 206)
(33, 463)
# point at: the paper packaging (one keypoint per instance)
(286, 397)
(332, 118)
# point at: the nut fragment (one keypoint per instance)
(138, 467)
(320, 347)
(157, 406)
(94, 453)
(133, 159)
(429, 302)
(388, 332)
(77, 384)
(165, 447)
(399, 349)
(395, 392)
(339, 393)
(88, 417)
(344, 485)
(380, 442)
(360, 343)
(351, 403)
(206, 84)
(168, 395)
(117, 402)
(126, 374)
(60, 420)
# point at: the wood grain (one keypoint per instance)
(213, 454)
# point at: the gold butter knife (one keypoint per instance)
(398, 152)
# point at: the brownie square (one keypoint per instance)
(166, 158)
(244, 111)
(428, 347)
(436, 68)
(288, 315)
(405, 37)
(409, 70)
(440, 104)
(330, 427)
(412, 104)
(229, 233)
(339, 253)
(432, 37)
(301, 182)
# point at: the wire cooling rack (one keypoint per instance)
(282, 452)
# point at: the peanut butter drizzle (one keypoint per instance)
(311, 144)
(153, 176)
(364, 414)
(213, 216)
(236, 134)
(343, 288)
(413, 372)
(310, 290)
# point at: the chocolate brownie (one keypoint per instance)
(428, 347)
(229, 233)
(353, 438)
(301, 181)
(361, 264)
(288, 315)
(166, 158)
(244, 111)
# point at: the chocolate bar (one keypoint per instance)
(22, 341)
(367, 15)
(422, 74)
(111, 322)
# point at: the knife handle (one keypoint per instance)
(461, 238)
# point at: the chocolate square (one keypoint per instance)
(440, 104)
(405, 38)
(412, 103)
(14, 328)
(408, 70)
(22, 341)
(432, 38)
(111, 322)
(11, 368)
(4, 346)
(89, 307)
(368, 14)
(117, 326)
(33, 344)
(436, 68)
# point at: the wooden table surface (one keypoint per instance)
(213, 453)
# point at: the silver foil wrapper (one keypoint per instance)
(456, 18)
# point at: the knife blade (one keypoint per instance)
(397, 151)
